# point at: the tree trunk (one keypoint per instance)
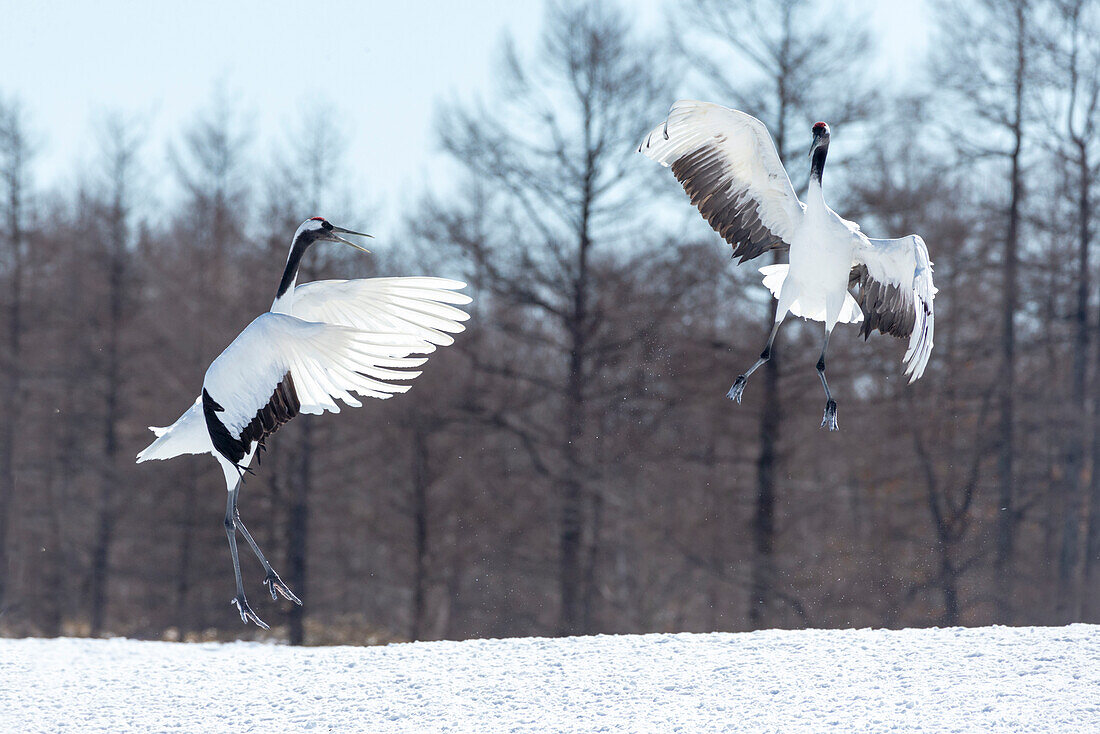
(186, 550)
(591, 563)
(1007, 512)
(763, 522)
(571, 572)
(1069, 559)
(297, 529)
(572, 506)
(1091, 612)
(420, 528)
(14, 377)
(105, 504)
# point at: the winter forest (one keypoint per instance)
(572, 465)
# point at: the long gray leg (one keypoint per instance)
(247, 615)
(739, 385)
(829, 421)
(271, 580)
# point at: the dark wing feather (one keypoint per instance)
(893, 287)
(729, 210)
(886, 307)
(728, 166)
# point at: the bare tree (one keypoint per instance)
(15, 159)
(991, 74)
(555, 149)
(908, 185)
(120, 146)
(1075, 57)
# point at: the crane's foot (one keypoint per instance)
(737, 389)
(829, 421)
(277, 586)
(247, 615)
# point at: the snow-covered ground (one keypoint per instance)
(942, 680)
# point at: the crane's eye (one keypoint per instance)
(325, 224)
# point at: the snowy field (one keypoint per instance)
(942, 680)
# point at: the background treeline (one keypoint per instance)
(571, 465)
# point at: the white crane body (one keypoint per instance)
(728, 165)
(322, 343)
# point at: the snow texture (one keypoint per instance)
(944, 680)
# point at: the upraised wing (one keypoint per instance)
(728, 165)
(421, 307)
(280, 366)
(895, 292)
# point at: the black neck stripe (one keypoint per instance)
(297, 250)
(817, 165)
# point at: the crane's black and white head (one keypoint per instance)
(821, 136)
(819, 149)
(317, 229)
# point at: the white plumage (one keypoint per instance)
(729, 166)
(320, 344)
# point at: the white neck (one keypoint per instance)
(281, 304)
(814, 197)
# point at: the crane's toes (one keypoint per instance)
(829, 421)
(247, 615)
(737, 389)
(277, 586)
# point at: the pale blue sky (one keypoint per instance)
(382, 65)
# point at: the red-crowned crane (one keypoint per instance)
(728, 165)
(321, 342)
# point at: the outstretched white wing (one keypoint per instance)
(421, 307)
(728, 165)
(280, 366)
(895, 293)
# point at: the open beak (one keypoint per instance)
(337, 231)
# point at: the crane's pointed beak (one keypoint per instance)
(337, 231)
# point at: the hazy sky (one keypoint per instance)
(382, 65)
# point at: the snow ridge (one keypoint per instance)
(988, 679)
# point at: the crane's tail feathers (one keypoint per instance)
(188, 435)
(775, 275)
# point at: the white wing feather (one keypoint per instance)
(420, 306)
(327, 362)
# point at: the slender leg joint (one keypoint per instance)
(240, 601)
(829, 420)
(739, 386)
